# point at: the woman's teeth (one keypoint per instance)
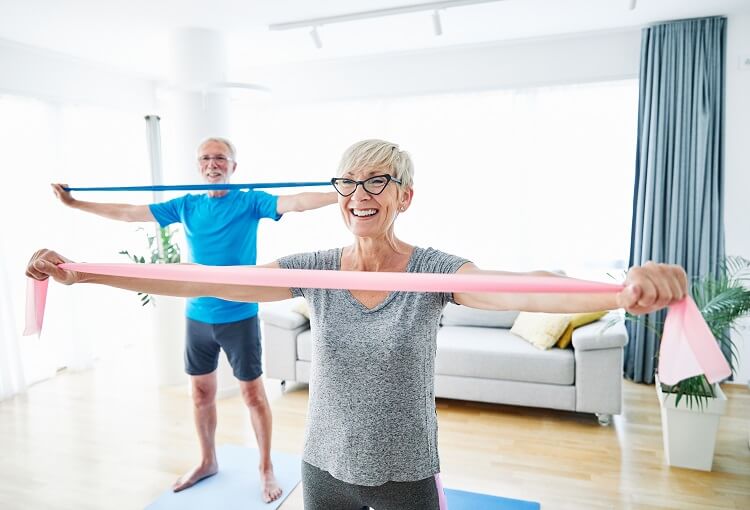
(363, 212)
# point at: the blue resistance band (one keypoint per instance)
(188, 187)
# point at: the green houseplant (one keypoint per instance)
(162, 250)
(167, 315)
(691, 409)
(723, 302)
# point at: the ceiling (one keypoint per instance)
(134, 35)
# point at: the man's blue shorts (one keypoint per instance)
(240, 341)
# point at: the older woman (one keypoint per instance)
(371, 436)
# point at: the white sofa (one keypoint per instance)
(479, 359)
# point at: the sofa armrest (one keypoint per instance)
(281, 326)
(282, 315)
(602, 334)
(598, 349)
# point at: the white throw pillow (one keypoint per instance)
(457, 315)
(301, 308)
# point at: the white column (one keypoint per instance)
(193, 108)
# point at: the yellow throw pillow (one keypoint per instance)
(542, 330)
(577, 320)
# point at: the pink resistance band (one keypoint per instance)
(687, 347)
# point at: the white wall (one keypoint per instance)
(43, 74)
(571, 59)
(737, 160)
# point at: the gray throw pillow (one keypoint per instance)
(456, 315)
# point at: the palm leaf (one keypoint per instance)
(723, 301)
(168, 254)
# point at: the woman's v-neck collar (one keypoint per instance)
(391, 295)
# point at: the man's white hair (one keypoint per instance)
(379, 154)
(229, 145)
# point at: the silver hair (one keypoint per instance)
(229, 145)
(379, 154)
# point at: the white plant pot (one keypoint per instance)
(169, 340)
(689, 435)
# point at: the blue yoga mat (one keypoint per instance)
(236, 486)
(462, 500)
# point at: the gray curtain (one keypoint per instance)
(678, 201)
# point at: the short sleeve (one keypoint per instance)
(264, 205)
(298, 261)
(436, 261)
(168, 212)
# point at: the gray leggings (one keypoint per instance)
(321, 491)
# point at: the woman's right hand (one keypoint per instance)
(43, 264)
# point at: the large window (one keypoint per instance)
(513, 179)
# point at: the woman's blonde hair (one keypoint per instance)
(379, 154)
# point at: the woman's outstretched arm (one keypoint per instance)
(648, 288)
(44, 264)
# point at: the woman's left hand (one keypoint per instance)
(651, 287)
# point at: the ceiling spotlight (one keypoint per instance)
(632, 4)
(316, 37)
(436, 25)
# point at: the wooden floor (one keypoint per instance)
(103, 439)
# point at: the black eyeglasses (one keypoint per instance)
(373, 185)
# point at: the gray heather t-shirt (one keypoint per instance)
(371, 417)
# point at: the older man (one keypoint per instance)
(221, 228)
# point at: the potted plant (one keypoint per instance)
(169, 312)
(691, 409)
(163, 251)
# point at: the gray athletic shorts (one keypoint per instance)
(240, 341)
(321, 491)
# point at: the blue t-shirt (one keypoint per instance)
(220, 231)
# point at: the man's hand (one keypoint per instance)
(63, 196)
(651, 287)
(43, 264)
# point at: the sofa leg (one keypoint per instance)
(604, 419)
(283, 386)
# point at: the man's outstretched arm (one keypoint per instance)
(120, 212)
(304, 201)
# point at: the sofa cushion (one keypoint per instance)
(493, 353)
(457, 315)
(278, 314)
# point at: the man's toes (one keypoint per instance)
(180, 485)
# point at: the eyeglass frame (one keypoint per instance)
(388, 177)
(219, 160)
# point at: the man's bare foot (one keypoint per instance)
(195, 475)
(270, 488)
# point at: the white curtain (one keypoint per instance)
(12, 379)
(83, 146)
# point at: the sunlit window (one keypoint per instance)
(512, 179)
